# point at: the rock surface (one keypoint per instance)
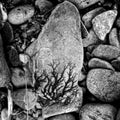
(63, 117)
(113, 38)
(104, 84)
(20, 14)
(4, 70)
(87, 18)
(98, 63)
(81, 4)
(97, 112)
(103, 23)
(59, 49)
(107, 52)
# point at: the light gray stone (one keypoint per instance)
(97, 112)
(98, 63)
(104, 84)
(103, 23)
(107, 52)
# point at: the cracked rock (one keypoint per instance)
(97, 112)
(107, 52)
(103, 23)
(104, 84)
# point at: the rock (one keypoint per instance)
(7, 33)
(90, 39)
(87, 18)
(104, 84)
(13, 56)
(63, 117)
(44, 5)
(81, 4)
(98, 63)
(118, 22)
(4, 114)
(20, 14)
(97, 112)
(113, 38)
(4, 70)
(107, 52)
(25, 98)
(58, 50)
(103, 23)
(24, 58)
(118, 115)
(21, 78)
(116, 64)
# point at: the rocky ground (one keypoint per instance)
(59, 60)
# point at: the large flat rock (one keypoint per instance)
(58, 58)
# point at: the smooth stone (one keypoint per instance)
(82, 4)
(87, 18)
(113, 38)
(98, 63)
(21, 78)
(116, 64)
(90, 39)
(4, 69)
(20, 14)
(63, 117)
(24, 98)
(97, 112)
(104, 84)
(107, 52)
(4, 114)
(44, 5)
(59, 44)
(103, 23)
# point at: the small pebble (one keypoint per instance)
(107, 52)
(44, 5)
(97, 112)
(24, 58)
(20, 77)
(98, 63)
(87, 18)
(113, 38)
(20, 14)
(103, 23)
(104, 84)
(82, 4)
(63, 117)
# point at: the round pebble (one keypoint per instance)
(104, 84)
(97, 112)
(20, 14)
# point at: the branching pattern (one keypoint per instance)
(57, 88)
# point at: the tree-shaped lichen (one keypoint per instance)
(57, 89)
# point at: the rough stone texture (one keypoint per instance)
(20, 77)
(63, 117)
(98, 63)
(58, 51)
(44, 5)
(90, 39)
(113, 38)
(87, 18)
(4, 70)
(103, 23)
(20, 14)
(97, 112)
(107, 52)
(81, 4)
(104, 84)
